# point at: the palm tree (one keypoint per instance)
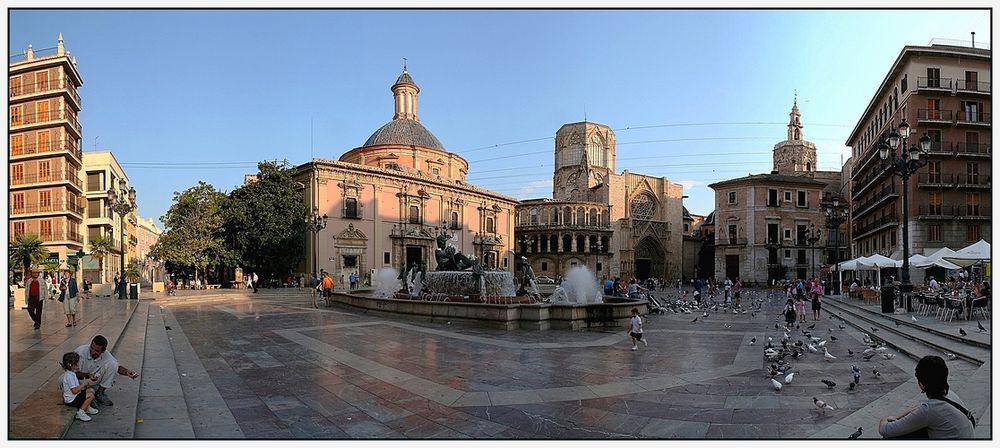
(27, 250)
(100, 247)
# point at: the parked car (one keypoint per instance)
(544, 280)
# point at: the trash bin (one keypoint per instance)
(888, 299)
(133, 291)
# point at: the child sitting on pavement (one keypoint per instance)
(72, 388)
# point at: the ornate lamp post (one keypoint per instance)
(836, 214)
(812, 236)
(315, 224)
(122, 202)
(904, 164)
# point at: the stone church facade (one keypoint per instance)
(618, 225)
(388, 199)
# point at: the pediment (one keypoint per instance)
(350, 233)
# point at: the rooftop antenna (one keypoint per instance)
(973, 39)
(404, 64)
(584, 112)
(95, 140)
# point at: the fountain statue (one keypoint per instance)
(527, 285)
(450, 258)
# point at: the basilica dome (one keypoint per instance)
(406, 132)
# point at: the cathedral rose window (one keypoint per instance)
(643, 207)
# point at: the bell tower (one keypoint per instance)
(584, 157)
(795, 154)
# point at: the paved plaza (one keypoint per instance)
(231, 365)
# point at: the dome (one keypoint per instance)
(710, 219)
(404, 132)
(687, 214)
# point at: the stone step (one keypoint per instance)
(162, 412)
(118, 421)
(35, 403)
(924, 323)
(911, 345)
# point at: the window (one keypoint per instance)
(45, 229)
(788, 253)
(42, 141)
(971, 111)
(800, 234)
(44, 199)
(555, 216)
(18, 228)
(593, 217)
(42, 111)
(351, 208)
(533, 220)
(788, 196)
(415, 214)
(15, 86)
(386, 258)
(490, 225)
(93, 208)
(934, 203)
(42, 81)
(456, 220)
(44, 172)
(686, 228)
(801, 199)
(643, 207)
(972, 173)
(393, 166)
(801, 256)
(902, 84)
(545, 266)
(933, 77)
(972, 202)
(971, 80)
(934, 172)
(772, 197)
(772, 233)
(972, 232)
(435, 171)
(17, 202)
(732, 234)
(934, 232)
(788, 234)
(892, 240)
(732, 197)
(17, 174)
(16, 115)
(16, 145)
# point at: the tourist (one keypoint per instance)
(354, 280)
(789, 312)
(609, 286)
(34, 288)
(327, 289)
(633, 289)
(314, 286)
(117, 286)
(729, 288)
(942, 416)
(72, 388)
(817, 293)
(68, 298)
(854, 286)
(635, 329)
(737, 287)
(253, 275)
(934, 285)
(800, 309)
(98, 365)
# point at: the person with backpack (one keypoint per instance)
(943, 416)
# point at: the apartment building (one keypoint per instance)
(45, 154)
(102, 172)
(943, 91)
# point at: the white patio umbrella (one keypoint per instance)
(976, 252)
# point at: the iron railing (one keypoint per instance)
(62, 235)
(56, 176)
(935, 211)
(54, 206)
(45, 86)
(924, 82)
(875, 224)
(934, 115)
(973, 211)
(965, 116)
(37, 148)
(979, 149)
(935, 179)
(973, 86)
(976, 180)
(43, 117)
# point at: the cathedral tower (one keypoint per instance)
(584, 157)
(795, 154)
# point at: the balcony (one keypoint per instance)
(972, 87)
(941, 116)
(526, 227)
(27, 90)
(56, 177)
(975, 119)
(877, 224)
(973, 149)
(973, 181)
(52, 207)
(731, 242)
(877, 198)
(941, 148)
(973, 212)
(935, 211)
(17, 122)
(936, 180)
(934, 84)
(62, 235)
(23, 151)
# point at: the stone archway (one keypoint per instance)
(649, 259)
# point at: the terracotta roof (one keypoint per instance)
(405, 132)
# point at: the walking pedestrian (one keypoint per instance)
(800, 309)
(635, 329)
(327, 289)
(737, 287)
(354, 280)
(72, 388)
(254, 276)
(68, 298)
(789, 312)
(314, 287)
(34, 288)
(817, 296)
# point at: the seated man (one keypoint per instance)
(98, 365)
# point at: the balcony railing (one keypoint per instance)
(62, 235)
(924, 82)
(54, 206)
(887, 192)
(562, 226)
(969, 117)
(44, 117)
(973, 211)
(936, 211)
(45, 86)
(934, 115)
(38, 148)
(973, 86)
(975, 180)
(39, 178)
(859, 230)
(978, 149)
(935, 180)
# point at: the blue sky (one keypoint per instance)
(188, 95)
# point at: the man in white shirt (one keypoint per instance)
(98, 365)
(934, 284)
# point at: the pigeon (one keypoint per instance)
(841, 326)
(815, 339)
(851, 386)
(789, 378)
(874, 330)
(821, 343)
(829, 384)
(950, 355)
(753, 340)
(857, 373)
(829, 330)
(775, 384)
(795, 355)
(822, 405)
(876, 373)
(811, 327)
(705, 314)
(726, 326)
(888, 356)
(981, 328)
(695, 320)
(850, 352)
(776, 327)
(812, 348)
(833, 338)
(962, 332)
(914, 318)
(869, 356)
(828, 356)
(856, 434)
(897, 323)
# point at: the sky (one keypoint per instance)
(696, 96)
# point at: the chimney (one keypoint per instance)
(973, 39)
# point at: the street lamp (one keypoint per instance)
(904, 164)
(122, 202)
(596, 250)
(813, 236)
(836, 214)
(315, 224)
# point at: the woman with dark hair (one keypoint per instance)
(942, 416)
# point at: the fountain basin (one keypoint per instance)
(536, 316)
(463, 283)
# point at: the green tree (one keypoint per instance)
(265, 221)
(195, 231)
(27, 250)
(132, 271)
(100, 247)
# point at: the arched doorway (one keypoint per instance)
(649, 258)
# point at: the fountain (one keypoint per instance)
(579, 287)
(386, 282)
